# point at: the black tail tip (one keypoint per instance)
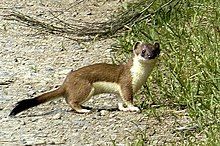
(15, 110)
(24, 105)
(12, 114)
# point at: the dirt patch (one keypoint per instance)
(32, 63)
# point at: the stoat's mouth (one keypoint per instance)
(144, 59)
(149, 56)
(152, 56)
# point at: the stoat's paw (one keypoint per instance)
(83, 111)
(130, 108)
(133, 109)
(121, 107)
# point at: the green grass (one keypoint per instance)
(188, 73)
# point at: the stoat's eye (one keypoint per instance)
(143, 53)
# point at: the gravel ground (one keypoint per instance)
(32, 63)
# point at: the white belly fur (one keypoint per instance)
(140, 71)
(106, 87)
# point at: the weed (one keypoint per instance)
(188, 73)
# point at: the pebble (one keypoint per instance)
(35, 142)
(103, 112)
(31, 93)
(57, 116)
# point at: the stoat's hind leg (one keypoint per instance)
(79, 92)
(78, 108)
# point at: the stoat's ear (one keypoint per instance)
(157, 48)
(156, 45)
(136, 45)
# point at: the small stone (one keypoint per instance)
(31, 93)
(23, 123)
(52, 143)
(16, 59)
(28, 143)
(35, 142)
(103, 112)
(57, 116)
(33, 120)
(49, 68)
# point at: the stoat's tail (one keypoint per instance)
(28, 103)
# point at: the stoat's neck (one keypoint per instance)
(140, 70)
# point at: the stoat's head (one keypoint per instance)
(146, 52)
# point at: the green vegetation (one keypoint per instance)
(188, 73)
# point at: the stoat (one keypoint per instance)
(124, 80)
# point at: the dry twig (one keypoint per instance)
(82, 29)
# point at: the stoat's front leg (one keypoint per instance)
(127, 96)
